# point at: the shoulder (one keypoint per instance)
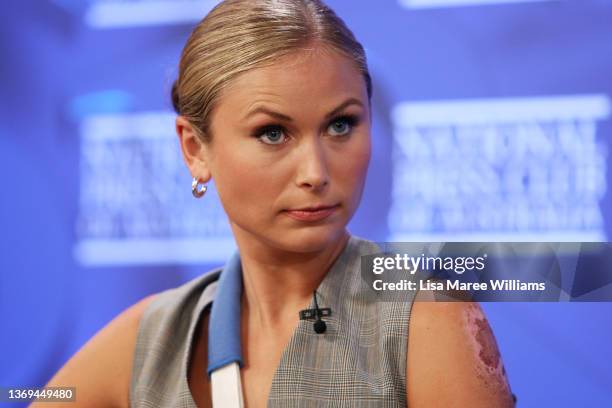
(452, 348)
(171, 306)
(101, 369)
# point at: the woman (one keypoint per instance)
(273, 103)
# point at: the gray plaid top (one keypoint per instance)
(360, 361)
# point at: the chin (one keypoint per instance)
(310, 239)
(293, 237)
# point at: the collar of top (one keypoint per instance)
(224, 329)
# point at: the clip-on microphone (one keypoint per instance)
(319, 325)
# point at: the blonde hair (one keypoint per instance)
(239, 35)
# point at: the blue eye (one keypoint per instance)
(274, 134)
(271, 135)
(339, 128)
(342, 126)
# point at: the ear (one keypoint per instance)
(195, 152)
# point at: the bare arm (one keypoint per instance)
(453, 359)
(101, 369)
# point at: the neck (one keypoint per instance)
(277, 284)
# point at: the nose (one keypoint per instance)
(313, 172)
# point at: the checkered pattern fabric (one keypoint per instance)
(360, 360)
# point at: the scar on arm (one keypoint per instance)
(490, 367)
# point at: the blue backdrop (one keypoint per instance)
(492, 123)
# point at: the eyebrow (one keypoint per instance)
(281, 116)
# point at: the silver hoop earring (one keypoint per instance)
(197, 193)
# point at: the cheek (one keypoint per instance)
(353, 167)
(246, 187)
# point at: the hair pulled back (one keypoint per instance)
(239, 35)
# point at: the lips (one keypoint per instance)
(312, 213)
(314, 208)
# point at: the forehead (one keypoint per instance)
(302, 77)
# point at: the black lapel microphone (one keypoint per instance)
(316, 313)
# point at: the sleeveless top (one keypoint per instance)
(359, 361)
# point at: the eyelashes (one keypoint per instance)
(276, 134)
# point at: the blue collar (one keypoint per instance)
(224, 328)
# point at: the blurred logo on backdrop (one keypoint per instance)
(420, 4)
(130, 13)
(531, 169)
(135, 201)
